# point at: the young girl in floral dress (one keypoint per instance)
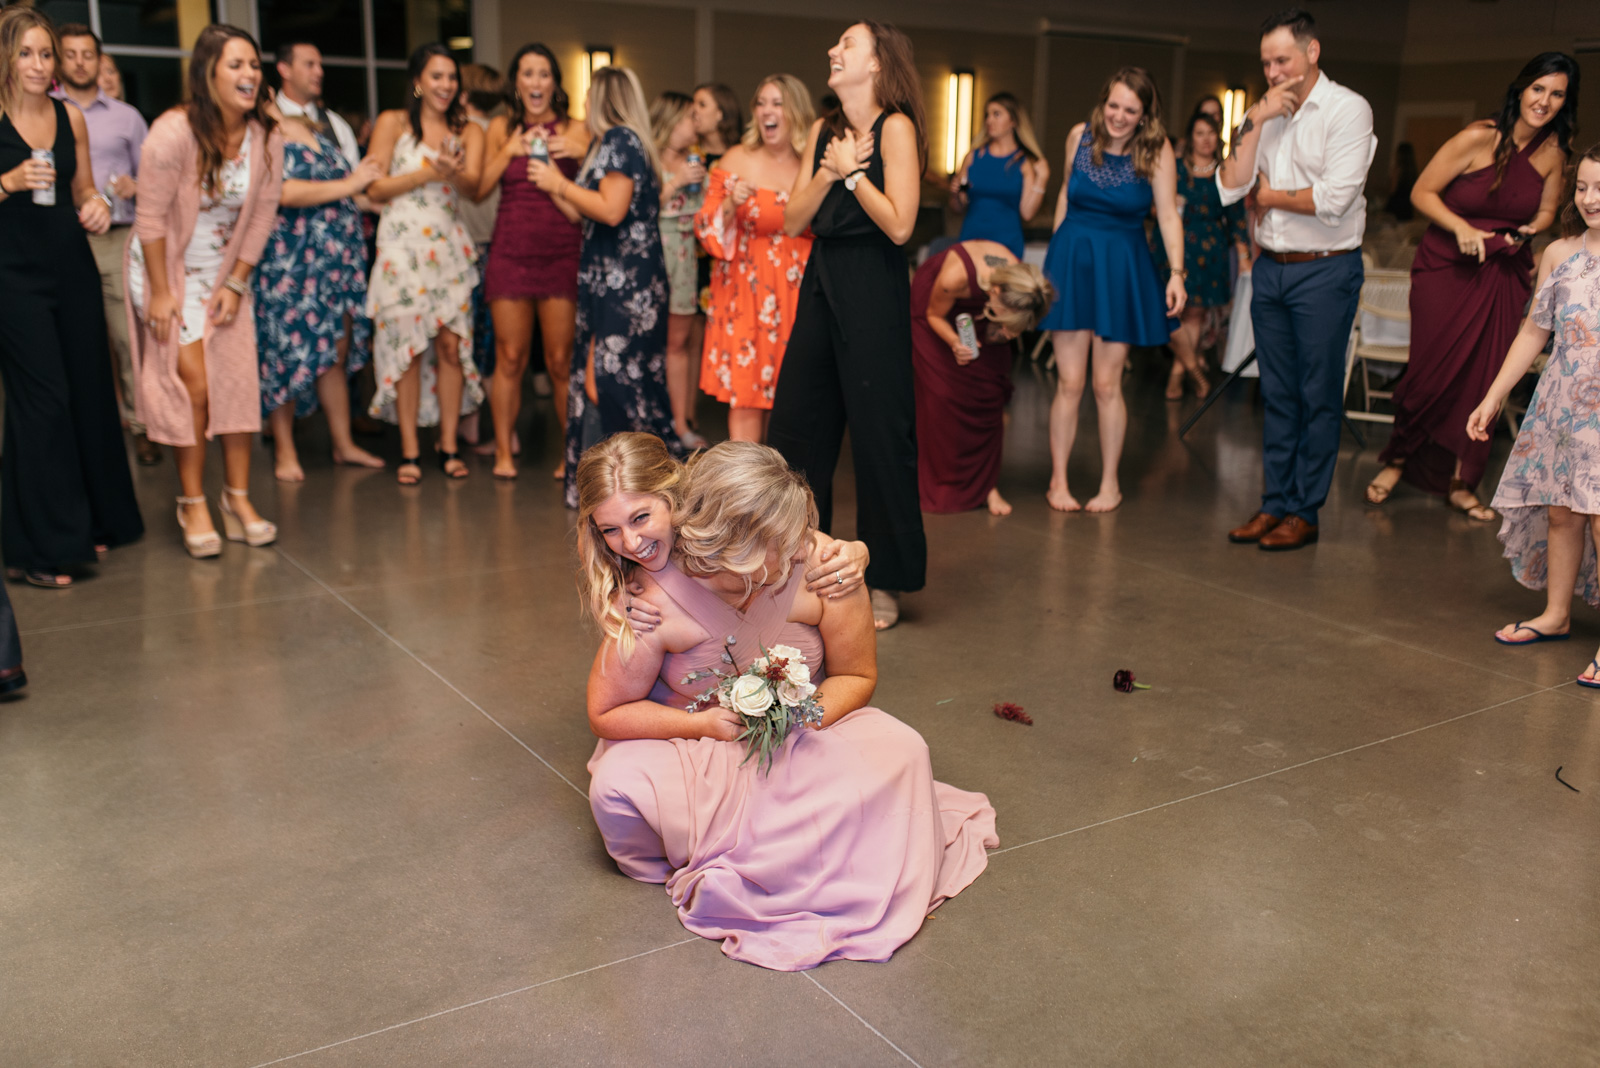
(1550, 491)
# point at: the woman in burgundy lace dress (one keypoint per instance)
(1487, 191)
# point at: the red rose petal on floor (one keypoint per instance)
(1007, 710)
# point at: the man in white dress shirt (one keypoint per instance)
(1305, 148)
(300, 71)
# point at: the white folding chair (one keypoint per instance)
(1381, 334)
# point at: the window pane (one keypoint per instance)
(405, 25)
(393, 89)
(150, 83)
(344, 89)
(332, 25)
(140, 22)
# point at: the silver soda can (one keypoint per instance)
(967, 332)
(45, 197)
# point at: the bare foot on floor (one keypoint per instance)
(288, 471)
(998, 505)
(1104, 501)
(505, 471)
(356, 456)
(1061, 500)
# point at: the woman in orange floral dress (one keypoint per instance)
(755, 280)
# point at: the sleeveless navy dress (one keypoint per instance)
(1099, 260)
(994, 200)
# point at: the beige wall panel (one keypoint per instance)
(657, 42)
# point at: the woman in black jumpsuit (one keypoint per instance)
(848, 362)
(65, 487)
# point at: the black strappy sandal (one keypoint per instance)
(42, 577)
(444, 465)
(408, 461)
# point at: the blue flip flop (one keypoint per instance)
(1593, 684)
(1542, 637)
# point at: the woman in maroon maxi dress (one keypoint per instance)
(1489, 189)
(961, 394)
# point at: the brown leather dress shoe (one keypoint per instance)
(1261, 523)
(1292, 533)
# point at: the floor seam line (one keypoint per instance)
(860, 1018)
(57, 628)
(474, 1004)
(398, 644)
(1276, 771)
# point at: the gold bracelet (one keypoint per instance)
(236, 286)
(1179, 271)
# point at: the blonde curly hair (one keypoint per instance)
(742, 499)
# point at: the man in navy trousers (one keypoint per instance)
(1305, 148)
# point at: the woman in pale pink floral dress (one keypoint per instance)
(420, 296)
(1550, 491)
(755, 280)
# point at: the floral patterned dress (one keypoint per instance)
(208, 246)
(622, 311)
(312, 274)
(1209, 231)
(679, 250)
(1556, 459)
(422, 283)
(755, 284)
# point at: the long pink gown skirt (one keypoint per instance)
(838, 852)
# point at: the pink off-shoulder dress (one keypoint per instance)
(838, 852)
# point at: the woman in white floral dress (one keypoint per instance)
(1549, 493)
(420, 296)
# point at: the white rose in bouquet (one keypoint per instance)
(792, 693)
(750, 695)
(795, 670)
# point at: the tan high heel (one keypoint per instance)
(200, 546)
(254, 534)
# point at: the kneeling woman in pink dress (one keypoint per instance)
(962, 392)
(842, 847)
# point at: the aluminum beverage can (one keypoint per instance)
(537, 149)
(690, 160)
(45, 197)
(967, 332)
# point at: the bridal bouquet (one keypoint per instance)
(773, 696)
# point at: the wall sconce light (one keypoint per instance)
(594, 58)
(958, 119)
(1234, 103)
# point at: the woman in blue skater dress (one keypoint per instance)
(1001, 183)
(1118, 164)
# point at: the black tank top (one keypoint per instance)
(841, 214)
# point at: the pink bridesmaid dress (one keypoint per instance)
(838, 852)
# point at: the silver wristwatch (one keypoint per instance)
(853, 179)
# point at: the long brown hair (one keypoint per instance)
(1564, 122)
(896, 87)
(16, 21)
(1572, 223)
(204, 114)
(455, 116)
(732, 124)
(1148, 137)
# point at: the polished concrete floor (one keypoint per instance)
(324, 803)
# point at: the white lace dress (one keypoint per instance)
(422, 282)
(202, 259)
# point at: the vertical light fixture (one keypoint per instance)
(594, 58)
(1234, 103)
(958, 119)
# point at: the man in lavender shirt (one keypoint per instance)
(116, 134)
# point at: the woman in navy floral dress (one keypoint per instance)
(619, 376)
(311, 292)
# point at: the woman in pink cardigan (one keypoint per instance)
(209, 178)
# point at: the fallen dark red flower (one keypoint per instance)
(1123, 682)
(1007, 710)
